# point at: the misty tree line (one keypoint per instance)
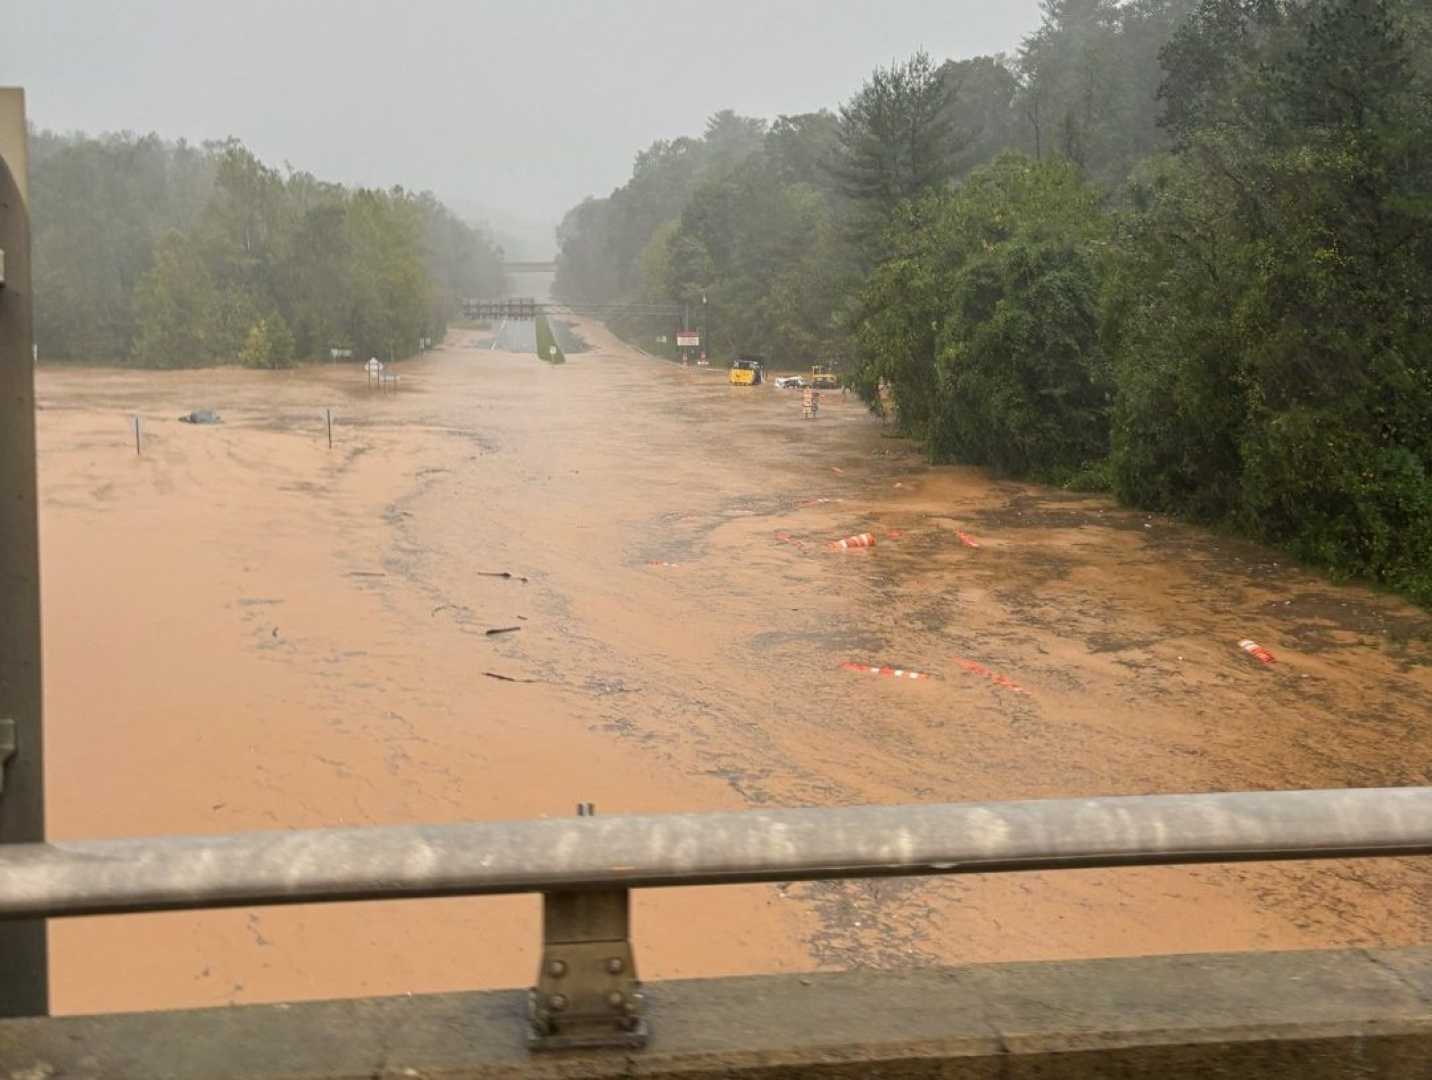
(175, 255)
(1176, 249)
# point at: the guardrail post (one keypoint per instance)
(23, 967)
(587, 993)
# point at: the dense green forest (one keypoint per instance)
(1178, 249)
(172, 255)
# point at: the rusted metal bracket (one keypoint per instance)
(587, 993)
(7, 747)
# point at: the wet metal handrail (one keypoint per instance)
(391, 862)
(587, 993)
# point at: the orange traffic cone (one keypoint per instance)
(1253, 649)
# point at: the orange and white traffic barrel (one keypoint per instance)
(884, 670)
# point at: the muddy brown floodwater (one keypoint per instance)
(246, 630)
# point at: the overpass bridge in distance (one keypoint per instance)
(529, 266)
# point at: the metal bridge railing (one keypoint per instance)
(587, 993)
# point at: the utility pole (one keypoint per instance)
(24, 967)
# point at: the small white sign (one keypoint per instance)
(687, 339)
(374, 365)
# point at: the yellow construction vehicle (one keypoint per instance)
(748, 370)
(822, 378)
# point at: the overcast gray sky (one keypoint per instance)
(510, 110)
